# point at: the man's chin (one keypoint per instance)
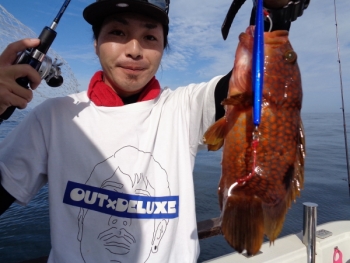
(128, 84)
(131, 87)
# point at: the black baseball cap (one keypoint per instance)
(156, 9)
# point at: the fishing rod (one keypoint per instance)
(342, 95)
(36, 57)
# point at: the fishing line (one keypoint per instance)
(342, 95)
(266, 15)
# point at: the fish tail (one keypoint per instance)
(243, 223)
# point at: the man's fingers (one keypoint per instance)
(20, 102)
(22, 93)
(11, 93)
(24, 70)
(9, 74)
(8, 84)
(9, 55)
(8, 99)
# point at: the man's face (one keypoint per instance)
(130, 48)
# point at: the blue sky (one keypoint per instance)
(198, 52)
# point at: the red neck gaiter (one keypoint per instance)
(103, 95)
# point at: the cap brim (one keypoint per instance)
(98, 11)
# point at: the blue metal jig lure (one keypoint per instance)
(258, 63)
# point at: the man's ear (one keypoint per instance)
(95, 46)
(158, 235)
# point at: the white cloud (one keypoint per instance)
(195, 35)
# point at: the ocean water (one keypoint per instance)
(25, 231)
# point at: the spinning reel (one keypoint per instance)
(48, 70)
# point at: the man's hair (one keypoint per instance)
(96, 29)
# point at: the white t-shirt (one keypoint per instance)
(120, 178)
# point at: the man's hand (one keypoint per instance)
(12, 94)
(275, 4)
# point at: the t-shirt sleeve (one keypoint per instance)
(23, 160)
(201, 111)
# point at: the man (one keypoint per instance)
(123, 120)
(69, 136)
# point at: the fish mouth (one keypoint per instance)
(117, 241)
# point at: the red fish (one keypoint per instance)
(262, 170)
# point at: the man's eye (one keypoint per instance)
(150, 37)
(117, 32)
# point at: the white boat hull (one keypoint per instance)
(291, 249)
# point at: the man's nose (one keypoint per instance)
(115, 221)
(134, 49)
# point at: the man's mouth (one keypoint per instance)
(132, 71)
(134, 68)
(131, 68)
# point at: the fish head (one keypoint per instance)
(282, 80)
(281, 71)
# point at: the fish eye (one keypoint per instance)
(290, 56)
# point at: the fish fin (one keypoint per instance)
(301, 150)
(242, 223)
(274, 216)
(242, 99)
(297, 178)
(214, 136)
(294, 179)
(297, 183)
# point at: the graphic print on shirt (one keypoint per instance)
(125, 207)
